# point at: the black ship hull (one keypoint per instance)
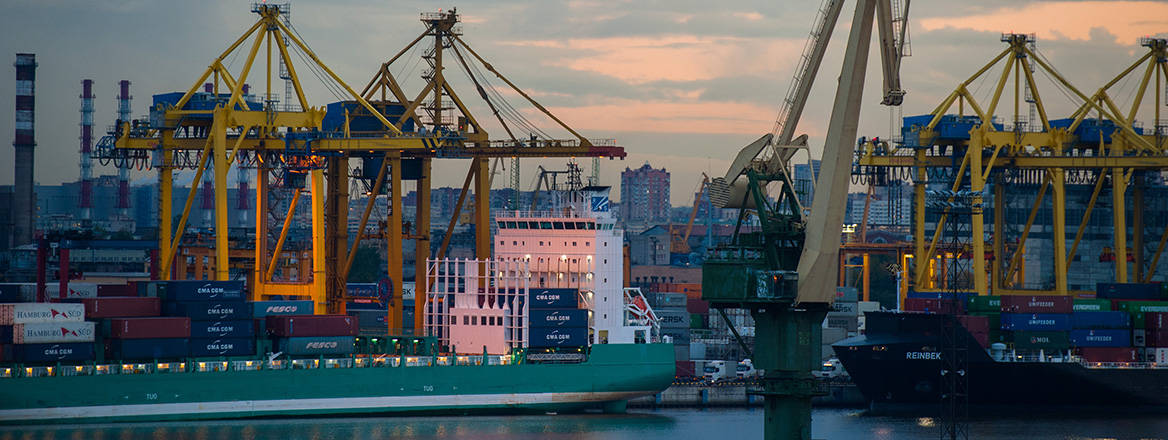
(897, 365)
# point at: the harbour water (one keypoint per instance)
(641, 424)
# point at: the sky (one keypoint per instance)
(678, 83)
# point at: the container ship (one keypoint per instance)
(544, 326)
(1054, 353)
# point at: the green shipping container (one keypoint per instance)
(1137, 309)
(1041, 340)
(986, 303)
(1092, 305)
(697, 321)
(994, 317)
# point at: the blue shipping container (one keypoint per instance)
(1036, 322)
(81, 351)
(204, 291)
(260, 309)
(1145, 291)
(9, 293)
(223, 329)
(362, 290)
(542, 337)
(222, 347)
(1101, 338)
(558, 318)
(1100, 320)
(554, 298)
(208, 311)
(142, 349)
(316, 345)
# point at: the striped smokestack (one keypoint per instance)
(86, 200)
(23, 203)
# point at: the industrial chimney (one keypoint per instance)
(124, 171)
(86, 199)
(23, 204)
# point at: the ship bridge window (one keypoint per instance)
(581, 225)
(569, 225)
(558, 225)
(545, 225)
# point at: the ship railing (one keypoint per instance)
(246, 365)
(6, 372)
(1123, 365)
(211, 366)
(77, 370)
(419, 361)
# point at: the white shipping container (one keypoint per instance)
(52, 332)
(76, 290)
(41, 312)
(869, 306)
(1161, 355)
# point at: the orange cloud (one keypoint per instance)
(667, 116)
(681, 57)
(1127, 20)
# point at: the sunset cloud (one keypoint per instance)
(1073, 20)
(668, 116)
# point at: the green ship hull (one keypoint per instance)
(612, 374)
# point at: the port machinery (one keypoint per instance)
(1099, 143)
(223, 125)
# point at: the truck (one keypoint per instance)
(746, 370)
(831, 369)
(715, 371)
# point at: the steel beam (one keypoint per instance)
(1059, 231)
(422, 248)
(394, 246)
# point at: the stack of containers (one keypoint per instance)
(675, 321)
(220, 321)
(555, 319)
(261, 310)
(45, 333)
(1157, 337)
(978, 327)
(102, 309)
(313, 335)
(147, 338)
(844, 314)
(1037, 322)
(990, 308)
(935, 302)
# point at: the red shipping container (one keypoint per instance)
(1038, 304)
(1110, 354)
(983, 339)
(150, 328)
(312, 325)
(1156, 338)
(104, 290)
(975, 324)
(697, 306)
(684, 369)
(1156, 320)
(121, 307)
(933, 305)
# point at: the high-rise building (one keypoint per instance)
(645, 195)
(805, 176)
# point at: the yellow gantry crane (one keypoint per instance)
(1098, 140)
(223, 124)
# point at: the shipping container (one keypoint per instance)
(312, 325)
(362, 290)
(149, 328)
(697, 321)
(1035, 321)
(371, 320)
(366, 304)
(1156, 320)
(220, 291)
(553, 298)
(147, 349)
(10, 292)
(22, 313)
(1027, 340)
(208, 311)
(1100, 320)
(1140, 291)
(1154, 338)
(695, 305)
(121, 307)
(542, 337)
(666, 299)
(560, 318)
(1101, 338)
(315, 345)
(849, 323)
(1092, 305)
(933, 305)
(260, 309)
(975, 324)
(1037, 304)
(47, 332)
(67, 352)
(984, 303)
(1139, 337)
(845, 307)
(200, 347)
(668, 317)
(222, 329)
(847, 294)
(115, 290)
(1159, 355)
(77, 290)
(1139, 309)
(1109, 354)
